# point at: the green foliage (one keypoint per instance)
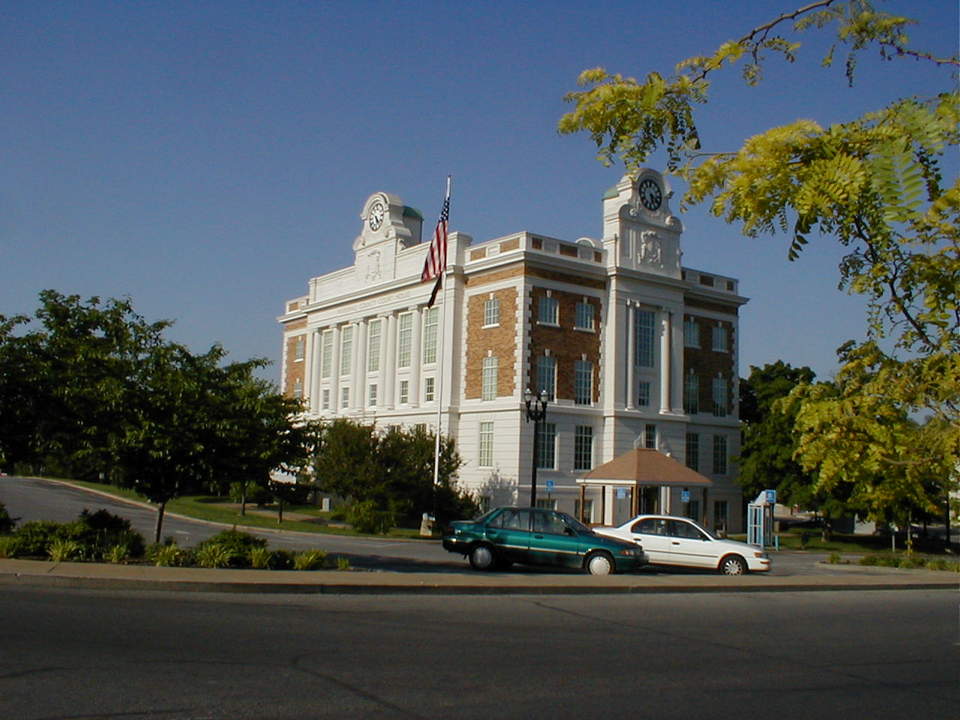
(343, 563)
(256, 494)
(281, 560)
(874, 183)
(309, 560)
(118, 554)
(8, 546)
(232, 548)
(259, 558)
(367, 516)
(33, 538)
(168, 554)
(213, 556)
(834, 558)
(62, 550)
(7, 523)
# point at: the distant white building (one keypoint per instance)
(633, 349)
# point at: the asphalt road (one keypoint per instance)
(33, 499)
(790, 656)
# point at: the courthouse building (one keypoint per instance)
(635, 352)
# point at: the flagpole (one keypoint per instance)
(441, 356)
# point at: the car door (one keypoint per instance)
(651, 533)
(509, 533)
(688, 545)
(552, 543)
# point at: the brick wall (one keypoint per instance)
(499, 341)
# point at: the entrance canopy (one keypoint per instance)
(642, 466)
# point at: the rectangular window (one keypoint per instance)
(645, 335)
(693, 510)
(549, 311)
(372, 395)
(345, 397)
(373, 346)
(650, 437)
(584, 514)
(486, 444)
(583, 383)
(547, 450)
(404, 392)
(547, 376)
(719, 455)
(720, 397)
(584, 316)
(299, 348)
(489, 387)
(346, 349)
(693, 451)
(405, 340)
(720, 517)
(298, 389)
(431, 321)
(691, 394)
(491, 312)
(326, 353)
(643, 393)
(326, 399)
(547, 503)
(428, 389)
(720, 338)
(691, 333)
(583, 448)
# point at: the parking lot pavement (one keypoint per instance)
(147, 577)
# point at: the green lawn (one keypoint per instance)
(220, 510)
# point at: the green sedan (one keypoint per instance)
(537, 536)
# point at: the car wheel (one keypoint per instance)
(733, 565)
(600, 564)
(482, 558)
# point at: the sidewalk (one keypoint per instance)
(145, 577)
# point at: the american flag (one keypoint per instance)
(436, 262)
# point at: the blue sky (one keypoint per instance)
(208, 158)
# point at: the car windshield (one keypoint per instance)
(485, 516)
(575, 524)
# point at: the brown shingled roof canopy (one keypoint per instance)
(646, 467)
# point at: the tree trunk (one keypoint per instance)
(279, 512)
(243, 498)
(160, 511)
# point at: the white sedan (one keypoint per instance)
(669, 540)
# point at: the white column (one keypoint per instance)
(631, 356)
(313, 370)
(359, 370)
(665, 360)
(335, 372)
(390, 361)
(676, 375)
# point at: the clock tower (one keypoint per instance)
(639, 230)
(388, 226)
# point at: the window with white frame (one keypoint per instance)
(586, 512)
(405, 340)
(491, 312)
(643, 393)
(485, 456)
(326, 353)
(431, 322)
(583, 383)
(720, 341)
(298, 388)
(719, 454)
(344, 397)
(547, 450)
(325, 399)
(404, 392)
(488, 390)
(583, 447)
(346, 349)
(547, 376)
(428, 391)
(720, 408)
(693, 451)
(299, 348)
(373, 345)
(645, 329)
(650, 437)
(691, 394)
(583, 319)
(549, 310)
(691, 333)
(372, 395)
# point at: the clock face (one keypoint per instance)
(650, 194)
(376, 215)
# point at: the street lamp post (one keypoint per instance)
(536, 411)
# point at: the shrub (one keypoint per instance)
(259, 558)
(280, 560)
(236, 544)
(34, 538)
(7, 523)
(910, 562)
(168, 555)
(98, 532)
(309, 560)
(256, 494)
(61, 550)
(117, 554)
(834, 558)
(8, 546)
(869, 560)
(213, 556)
(343, 563)
(368, 517)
